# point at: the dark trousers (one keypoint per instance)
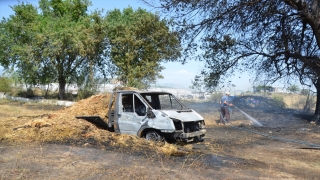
(225, 114)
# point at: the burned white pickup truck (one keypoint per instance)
(153, 115)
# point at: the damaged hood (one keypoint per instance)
(183, 115)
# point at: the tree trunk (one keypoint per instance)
(317, 111)
(307, 105)
(62, 87)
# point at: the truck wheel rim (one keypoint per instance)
(153, 136)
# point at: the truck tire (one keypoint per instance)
(111, 129)
(153, 135)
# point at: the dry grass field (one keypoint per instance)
(39, 141)
(297, 101)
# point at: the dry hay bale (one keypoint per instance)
(95, 105)
(63, 126)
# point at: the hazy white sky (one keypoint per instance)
(175, 73)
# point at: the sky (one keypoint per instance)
(175, 73)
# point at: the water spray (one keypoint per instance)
(311, 146)
(250, 117)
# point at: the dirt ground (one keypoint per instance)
(285, 147)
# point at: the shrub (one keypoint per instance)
(300, 103)
(84, 93)
(310, 104)
(306, 103)
(216, 97)
(278, 101)
(5, 84)
(304, 92)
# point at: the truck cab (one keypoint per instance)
(154, 115)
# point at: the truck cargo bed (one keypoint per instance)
(96, 120)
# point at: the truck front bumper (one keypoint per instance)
(185, 136)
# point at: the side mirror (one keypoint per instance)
(150, 114)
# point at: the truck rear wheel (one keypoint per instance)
(153, 135)
(111, 129)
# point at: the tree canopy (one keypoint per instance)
(61, 42)
(293, 88)
(277, 39)
(140, 41)
(264, 88)
(57, 43)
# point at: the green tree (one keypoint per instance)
(278, 39)
(264, 88)
(139, 42)
(293, 88)
(60, 43)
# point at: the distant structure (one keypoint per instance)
(177, 90)
(271, 89)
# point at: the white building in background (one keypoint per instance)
(179, 92)
(73, 88)
(273, 89)
(183, 93)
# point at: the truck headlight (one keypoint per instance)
(201, 124)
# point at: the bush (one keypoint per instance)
(5, 85)
(306, 103)
(299, 104)
(83, 94)
(278, 101)
(216, 97)
(304, 92)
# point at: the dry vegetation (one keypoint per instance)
(297, 101)
(47, 142)
(28, 122)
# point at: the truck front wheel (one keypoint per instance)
(153, 135)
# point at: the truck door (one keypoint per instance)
(133, 113)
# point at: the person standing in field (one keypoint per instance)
(225, 104)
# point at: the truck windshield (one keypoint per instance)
(163, 101)
(167, 101)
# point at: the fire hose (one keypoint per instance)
(316, 146)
